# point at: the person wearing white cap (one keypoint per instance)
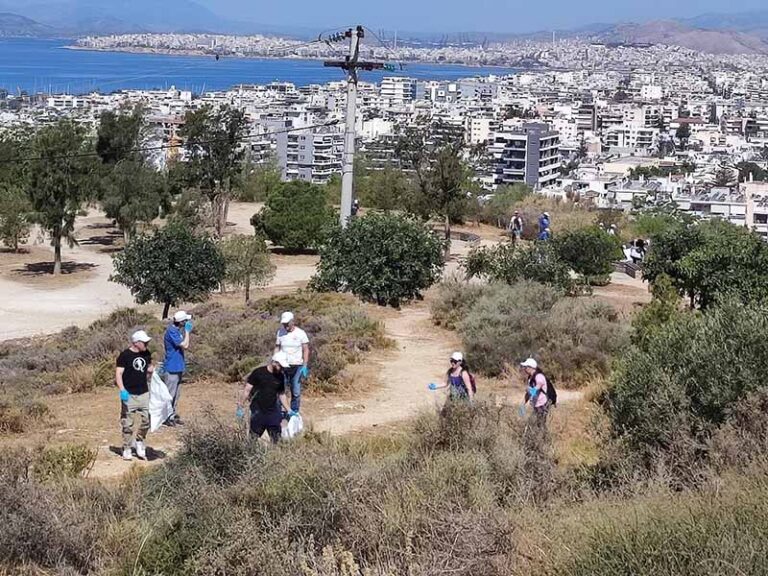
(295, 343)
(265, 390)
(516, 226)
(134, 367)
(458, 379)
(540, 392)
(176, 342)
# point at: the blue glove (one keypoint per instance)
(533, 391)
(292, 413)
(521, 411)
(240, 413)
(188, 326)
(432, 386)
(304, 372)
(124, 396)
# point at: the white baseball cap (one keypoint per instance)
(281, 358)
(458, 356)
(181, 316)
(140, 336)
(286, 317)
(546, 214)
(530, 363)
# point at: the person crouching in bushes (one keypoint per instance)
(458, 380)
(265, 389)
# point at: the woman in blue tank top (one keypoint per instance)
(458, 379)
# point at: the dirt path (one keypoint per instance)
(421, 357)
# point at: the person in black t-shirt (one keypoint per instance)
(265, 388)
(134, 366)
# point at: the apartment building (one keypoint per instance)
(310, 156)
(397, 92)
(530, 154)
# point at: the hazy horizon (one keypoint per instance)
(478, 16)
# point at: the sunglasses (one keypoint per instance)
(452, 361)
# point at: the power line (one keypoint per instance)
(167, 146)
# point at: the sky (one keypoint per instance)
(468, 15)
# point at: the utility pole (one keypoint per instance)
(351, 64)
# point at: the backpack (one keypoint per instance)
(551, 391)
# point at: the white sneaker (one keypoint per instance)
(141, 450)
(127, 454)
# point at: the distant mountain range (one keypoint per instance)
(716, 33)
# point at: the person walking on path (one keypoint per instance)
(458, 380)
(538, 392)
(176, 343)
(545, 235)
(516, 226)
(294, 342)
(265, 390)
(134, 367)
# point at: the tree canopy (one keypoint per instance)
(170, 266)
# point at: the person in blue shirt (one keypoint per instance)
(545, 234)
(176, 343)
(543, 222)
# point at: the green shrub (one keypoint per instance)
(574, 339)
(588, 251)
(698, 534)
(296, 216)
(668, 397)
(511, 263)
(709, 261)
(383, 258)
(454, 298)
(69, 461)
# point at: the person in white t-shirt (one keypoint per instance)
(294, 342)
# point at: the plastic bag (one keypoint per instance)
(160, 402)
(294, 427)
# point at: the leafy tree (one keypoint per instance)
(14, 216)
(259, 181)
(588, 251)
(133, 193)
(683, 134)
(433, 154)
(749, 170)
(511, 263)
(60, 179)
(383, 258)
(120, 134)
(247, 262)
(708, 261)
(385, 189)
(725, 175)
(212, 139)
(296, 216)
(171, 266)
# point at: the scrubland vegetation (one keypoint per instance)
(230, 341)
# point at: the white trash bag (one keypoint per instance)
(160, 402)
(294, 427)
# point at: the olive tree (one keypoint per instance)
(171, 266)
(247, 262)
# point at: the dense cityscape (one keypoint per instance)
(619, 126)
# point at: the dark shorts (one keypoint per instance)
(269, 422)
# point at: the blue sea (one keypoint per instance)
(48, 66)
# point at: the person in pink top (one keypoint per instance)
(537, 391)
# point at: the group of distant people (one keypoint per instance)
(517, 226)
(265, 389)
